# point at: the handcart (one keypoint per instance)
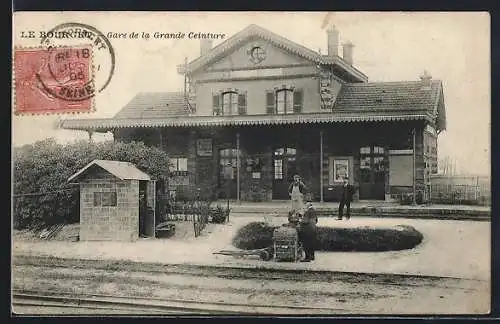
(285, 247)
(265, 254)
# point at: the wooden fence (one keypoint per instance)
(198, 212)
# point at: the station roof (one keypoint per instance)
(356, 102)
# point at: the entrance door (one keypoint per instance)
(227, 173)
(146, 209)
(284, 168)
(372, 173)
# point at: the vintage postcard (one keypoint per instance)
(252, 163)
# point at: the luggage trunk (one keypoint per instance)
(285, 241)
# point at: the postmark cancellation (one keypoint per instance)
(53, 80)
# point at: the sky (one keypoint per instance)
(453, 47)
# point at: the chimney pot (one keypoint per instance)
(205, 46)
(426, 79)
(347, 49)
(333, 41)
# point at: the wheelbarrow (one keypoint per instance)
(265, 254)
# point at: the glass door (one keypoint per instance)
(227, 173)
(372, 172)
(284, 168)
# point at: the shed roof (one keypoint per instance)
(121, 170)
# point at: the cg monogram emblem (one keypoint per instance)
(257, 54)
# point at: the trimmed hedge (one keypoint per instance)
(41, 170)
(257, 235)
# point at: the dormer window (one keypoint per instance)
(229, 102)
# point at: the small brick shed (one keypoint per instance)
(110, 201)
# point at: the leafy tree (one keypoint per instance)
(41, 170)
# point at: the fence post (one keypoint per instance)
(194, 227)
(476, 189)
(414, 167)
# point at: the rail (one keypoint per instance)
(158, 305)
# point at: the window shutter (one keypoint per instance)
(216, 105)
(270, 102)
(242, 104)
(297, 101)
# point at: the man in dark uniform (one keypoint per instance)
(345, 199)
(308, 231)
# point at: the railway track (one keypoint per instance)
(240, 273)
(105, 304)
(54, 286)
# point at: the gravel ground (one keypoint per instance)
(343, 296)
(450, 248)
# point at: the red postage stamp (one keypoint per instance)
(54, 80)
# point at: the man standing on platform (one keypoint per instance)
(308, 232)
(345, 199)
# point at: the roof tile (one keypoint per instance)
(387, 96)
(121, 170)
(150, 105)
(356, 102)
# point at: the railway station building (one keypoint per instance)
(259, 108)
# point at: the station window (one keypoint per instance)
(178, 164)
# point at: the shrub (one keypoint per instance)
(41, 170)
(406, 199)
(183, 194)
(368, 239)
(255, 235)
(259, 235)
(219, 214)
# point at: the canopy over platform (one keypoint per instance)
(361, 102)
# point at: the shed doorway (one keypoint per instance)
(146, 209)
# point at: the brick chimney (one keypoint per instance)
(347, 49)
(426, 79)
(333, 41)
(205, 46)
